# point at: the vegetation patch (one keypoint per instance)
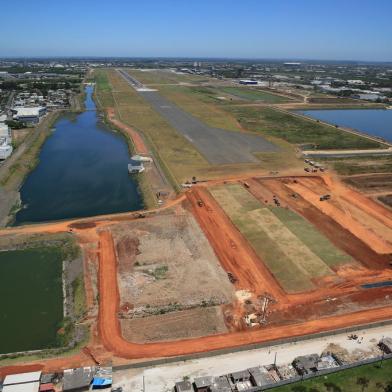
(297, 130)
(360, 164)
(254, 95)
(294, 251)
(311, 237)
(367, 378)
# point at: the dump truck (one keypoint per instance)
(246, 185)
(200, 203)
(325, 197)
(232, 278)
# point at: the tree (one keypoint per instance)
(363, 381)
(299, 388)
(331, 387)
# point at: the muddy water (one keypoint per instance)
(82, 171)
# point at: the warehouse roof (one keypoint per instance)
(24, 112)
(22, 378)
(23, 387)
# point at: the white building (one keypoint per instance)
(5, 132)
(29, 115)
(22, 382)
(5, 149)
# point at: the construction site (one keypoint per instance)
(233, 263)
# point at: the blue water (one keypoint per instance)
(82, 172)
(376, 122)
(386, 283)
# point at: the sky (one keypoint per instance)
(279, 29)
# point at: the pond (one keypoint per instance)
(375, 122)
(82, 171)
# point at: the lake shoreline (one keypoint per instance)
(84, 155)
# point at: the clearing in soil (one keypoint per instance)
(168, 278)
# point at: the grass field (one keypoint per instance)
(297, 130)
(368, 378)
(199, 102)
(294, 251)
(202, 102)
(165, 77)
(254, 95)
(178, 157)
(360, 165)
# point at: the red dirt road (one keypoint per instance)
(234, 252)
(110, 331)
(140, 146)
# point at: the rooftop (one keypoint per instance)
(22, 378)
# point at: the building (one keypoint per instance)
(386, 345)
(202, 384)
(183, 386)
(248, 82)
(5, 132)
(259, 378)
(22, 382)
(78, 379)
(306, 364)
(29, 115)
(240, 376)
(5, 149)
(220, 384)
(135, 167)
(141, 158)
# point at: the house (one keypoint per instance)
(240, 376)
(78, 379)
(260, 378)
(220, 384)
(306, 364)
(183, 386)
(202, 384)
(386, 345)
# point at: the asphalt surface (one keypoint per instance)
(218, 146)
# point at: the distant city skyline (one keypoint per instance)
(283, 29)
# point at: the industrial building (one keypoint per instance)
(29, 115)
(22, 382)
(5, 139)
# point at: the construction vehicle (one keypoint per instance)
(232, 278)
(307, 169)
(200, 203)
(246, 185)
(325, 197)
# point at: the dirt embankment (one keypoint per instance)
(138, 142)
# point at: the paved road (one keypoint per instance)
(218, 146)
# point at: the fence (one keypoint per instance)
(253, 346)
